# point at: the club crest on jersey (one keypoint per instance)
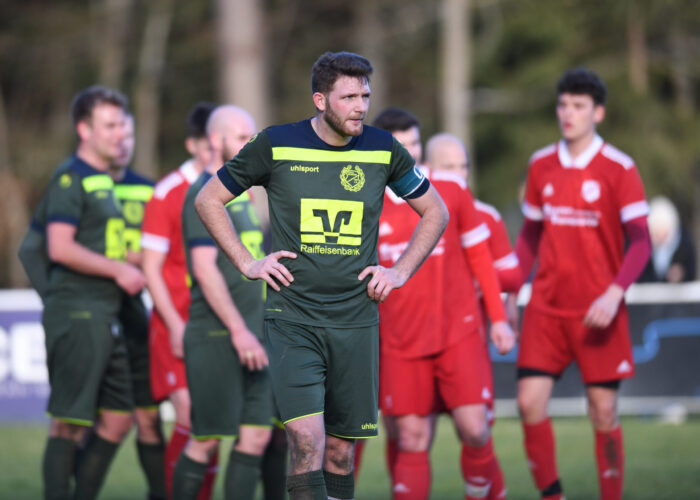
(133, 212)
(352, 178)
(590, 191)
(548, 190)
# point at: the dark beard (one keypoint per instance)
(333, 121)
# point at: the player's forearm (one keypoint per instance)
(217, 295)
(481, 265)
(212, 211)
(526, 246)
(75, 256)
(432, 224)
(637, 254)
(162, 302)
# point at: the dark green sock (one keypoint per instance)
(274, 471)
(307, 486)
(57, 468)
(242, 474)
(152, 458)
(188, 478)
(93, 464)
(340, 486)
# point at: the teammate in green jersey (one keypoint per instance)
(86, 356)
(225, 322)
(325, 178)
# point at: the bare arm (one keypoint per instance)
(434, 218)
(152, 264)
(210, 205)
(217, 295)
(63, 249)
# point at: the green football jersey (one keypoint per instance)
(247, 295)
(325, 203)
(133, 192)
(82, 196)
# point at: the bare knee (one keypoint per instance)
(114, 426)
(64, 430)
(253, 440)
(201, 450)
(603, 413)
(472, 424)
(339, 453)
(533, 397)
(148, 426)
(413, 433)
(306, 446)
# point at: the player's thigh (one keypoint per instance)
(461, 373)
(167, 372)
(407, 386)
(352, 382)
(215, 379)
(604, 355)
(297, 368)
(543, 343)
(116, 387)
(78, 347)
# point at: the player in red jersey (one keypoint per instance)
(583, 198)
(166, 273)
(438, 350)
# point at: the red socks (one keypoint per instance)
(539, 447)
(482, 473)
(610, 457)
(177, 443)
(411, 479)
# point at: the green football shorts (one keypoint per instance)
(333, 371)
(224, 394)
(134, 320)
(87, 363)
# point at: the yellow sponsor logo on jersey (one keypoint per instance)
(65, 181)
(304, 169)
(352, 178)
(369, 426)
(334, 222)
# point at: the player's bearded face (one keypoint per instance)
(347, 105)
(106, 131)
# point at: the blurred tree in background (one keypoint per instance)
(483, 69)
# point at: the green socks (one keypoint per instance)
(242, 474)
(93, 464)
(152, 459)
(57, 468)
(340, 486)
(188, 478)
(307, 486)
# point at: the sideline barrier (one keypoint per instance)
(664, 325)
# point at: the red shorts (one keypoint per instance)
(550, 343)
(454, 377)
(167, 371)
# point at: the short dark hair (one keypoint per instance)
(395, 120)
(86, 100)
(331, 65)
(197, 119)
(582, 81)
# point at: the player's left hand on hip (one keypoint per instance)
(604, 308)
(502, 337)
(383, 281)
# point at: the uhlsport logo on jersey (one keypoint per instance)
(330, 222)
(352, 178)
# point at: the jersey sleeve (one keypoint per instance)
(194, 233)
(472, 229)
(157, 227)
(532, 203)
(250, 167)
(405, 180)
(631, 200)
(499, 244)
(65, 199)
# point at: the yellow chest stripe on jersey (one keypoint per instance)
(321, 155)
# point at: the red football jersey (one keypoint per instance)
(583, 205)
(162, 231)
(504, 259)
(438, 305)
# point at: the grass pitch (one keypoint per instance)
(663, 461)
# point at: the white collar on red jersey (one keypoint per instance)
(584, 158)
(189, 172)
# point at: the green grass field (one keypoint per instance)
(663, 461)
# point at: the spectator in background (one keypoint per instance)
(672, 251)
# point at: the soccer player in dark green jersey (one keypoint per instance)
(225, 326)
(325, 178)
(86, 356)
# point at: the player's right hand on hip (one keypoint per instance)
(271, 269)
